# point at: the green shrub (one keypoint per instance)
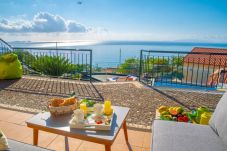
(51, 65)
(25, 57)
(77, 76)
(130, 66)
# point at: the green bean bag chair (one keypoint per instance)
(10, 67)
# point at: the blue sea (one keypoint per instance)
(112, 53)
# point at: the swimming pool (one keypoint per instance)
(184, 86)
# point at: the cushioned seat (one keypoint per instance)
(178, 136)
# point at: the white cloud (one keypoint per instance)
(42, 22)
(74, 27)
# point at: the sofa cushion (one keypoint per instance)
(218, 120)
(178, 136)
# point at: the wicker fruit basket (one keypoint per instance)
(59, 106)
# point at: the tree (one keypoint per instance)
(164, 67)
(177, 67)
(130, 66)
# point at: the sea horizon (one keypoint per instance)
(123, 42)
(113, 53)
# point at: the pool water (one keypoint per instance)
(184, 86)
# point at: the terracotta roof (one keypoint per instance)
(206, 58)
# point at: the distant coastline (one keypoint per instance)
(171, 43)
(92, 43)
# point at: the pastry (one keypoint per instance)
(55, 102)
(68, 101)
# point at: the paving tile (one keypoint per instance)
(59, 144)
(120, 138)
(14, 126)
(146, 149)
(44, 138)
(147, 140)
(5, 114)
(19, 118)
(14, 131)
(124, 147)
(89, 146)
(136, 138)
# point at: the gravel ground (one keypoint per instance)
(141, 100)
(194, 99)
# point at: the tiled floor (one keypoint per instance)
(12, 123)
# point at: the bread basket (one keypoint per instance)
(62, 108)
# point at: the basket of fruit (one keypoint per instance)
(59, 106)
(173, 114)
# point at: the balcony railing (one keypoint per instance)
(4, 47)
(53, 62)
(153, 67)
(183, 68)
(115, 68)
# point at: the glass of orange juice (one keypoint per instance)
(107, 107)
(83, 107)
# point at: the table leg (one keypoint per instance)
(66, 144)
(35, 136)
(107, 147)
(125, 131)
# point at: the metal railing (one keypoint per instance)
(183, 68)
(117, 69)
(53, 62)
(5, 47)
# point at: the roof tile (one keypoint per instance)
(215, 60)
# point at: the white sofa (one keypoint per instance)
(178, 136)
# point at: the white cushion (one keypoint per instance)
(218, 120)
(179, 136)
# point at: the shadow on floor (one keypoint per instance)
(6, 83)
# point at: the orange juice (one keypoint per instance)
(107, 107)
(83, 107)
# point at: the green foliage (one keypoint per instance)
(156, 65)
(77, 76)
(49, 65)
(25, 57)
(164, 66)
(78, 67)
(177, 69)
(177, 61)
(130, 66)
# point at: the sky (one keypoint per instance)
(104, 20)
